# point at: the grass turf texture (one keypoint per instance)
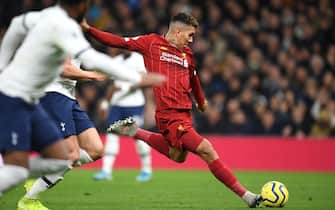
(186, 190)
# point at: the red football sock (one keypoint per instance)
(226, 176)
(155, 140)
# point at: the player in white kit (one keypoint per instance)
(24, 124)
(125, 103)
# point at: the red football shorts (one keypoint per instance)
(176, 126)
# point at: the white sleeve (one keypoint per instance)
(70, 39)
(73, 43)
(11, 41)
(140, 64)
(14, 36)
(92, 59)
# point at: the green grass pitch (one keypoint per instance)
(171, 189)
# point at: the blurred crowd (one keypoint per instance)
(267, 66)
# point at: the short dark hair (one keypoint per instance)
(186, 19)
(71, 2)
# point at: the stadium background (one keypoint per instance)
(267, 68)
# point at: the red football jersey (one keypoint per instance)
(162, 57)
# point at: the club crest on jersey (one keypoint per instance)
(171, 58)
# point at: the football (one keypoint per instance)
(274, 194)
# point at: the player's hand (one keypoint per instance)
(151, 79)
(97, 76)
(84, 25)
(202, 107)
(115, 88)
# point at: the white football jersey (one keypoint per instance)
(16, 33)
(14, 37)
(64, 86)
(39, 60)
(123, 97)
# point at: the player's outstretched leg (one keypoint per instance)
(91, 147)
(203, 149)
(34, 187)
(221, 171)
(38, 167)
(54, 152)
(125, 127)
(128, 127)
(28, 203)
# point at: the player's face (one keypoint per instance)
(185, 36)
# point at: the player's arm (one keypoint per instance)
(139, 66)
(110, 91)
(198, 92)
(71, 71)
(139, 43)
(71, 40)
(92, 59)
(12, 39)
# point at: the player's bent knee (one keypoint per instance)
(180, 159)
(92, 145)
(177, 160)
(96, 153)
(18, 158)
(58, 150)
(74, 155)
(206, 151)
(178, 156)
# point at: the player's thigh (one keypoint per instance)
(179, 132)
(15, 129)
(81, 120)
(46, 137)
(72, 143)
(18, 158)
(178, 155)
(60, 109)
(87, 135)
(206, 151)
(90, 141)
(191, 140)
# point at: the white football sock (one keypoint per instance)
(39, 186)
(11, 175)
(39, 166)
(85, 157)
(112, 149)
(45, 182)
(143, 150)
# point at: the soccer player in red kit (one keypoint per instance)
(169, 55)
